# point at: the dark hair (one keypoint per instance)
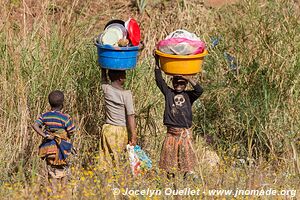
(116, 74)
(177, 79)
(56, 99)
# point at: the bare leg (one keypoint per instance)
(170, 175)
(63, 184)
(53, 185)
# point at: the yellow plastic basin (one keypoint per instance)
(179, 64)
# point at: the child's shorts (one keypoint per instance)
(56, 172)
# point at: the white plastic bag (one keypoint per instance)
(181, 42)
(181, 33)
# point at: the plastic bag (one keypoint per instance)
(180, 33)
(139, 161)
(181, 46)
(181, 42)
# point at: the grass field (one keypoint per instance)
(249, 113)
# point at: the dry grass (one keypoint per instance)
(251, 113)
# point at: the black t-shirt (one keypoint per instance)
(178, 106)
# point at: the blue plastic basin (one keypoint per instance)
(118, 58)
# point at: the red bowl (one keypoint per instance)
(134, 32)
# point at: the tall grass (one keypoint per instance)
(251, 112)
(258, 108)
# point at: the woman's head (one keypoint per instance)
(179, 83)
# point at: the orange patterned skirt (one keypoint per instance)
(177, 152)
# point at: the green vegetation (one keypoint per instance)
(252, 112)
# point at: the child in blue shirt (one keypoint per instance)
(56, 128)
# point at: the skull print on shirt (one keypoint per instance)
(179, 102)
